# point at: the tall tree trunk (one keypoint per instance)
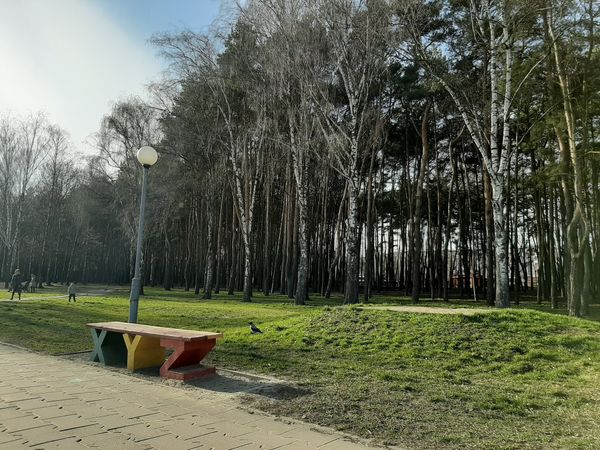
(416, 228)
(352, 244)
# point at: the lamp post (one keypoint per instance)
(147, 156)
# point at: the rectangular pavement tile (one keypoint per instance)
(41, 389)
(90, 413)
(14, 445)
(142, 432)
(220, 441)
(22, 423)
(88, 430)
(185, 430)
(234, 429)
(91, 396)
(69, 422)
(11, 413)
(111, 441)
(159, 418)
(6, 389)
(41, 435)
(312, 438)
(51, 412)
(173, 410)
(343, 444)
(267, 440)
(25, 383)
(73, 443)
(134, 411)
(31, 404)
(112, 403)
(18, 396)
(271, 426)
(169, 442)
(115, 421)
(6, 437)
(55, 396)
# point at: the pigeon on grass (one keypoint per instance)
(254, 329)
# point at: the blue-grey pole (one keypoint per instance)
(134, 295)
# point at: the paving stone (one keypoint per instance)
(135, 411)
(41, 435)
(25, 382)
(88, 411)
(173, 410)
(22, 423)
(235, 429)
(343, 444)
(88, 430)
(169, 442)
(43, 389)
(14, 445)
(115, 421)
(55, 396)
(18, 396)
(92, 396)
(11, 413)
(69, 422)
(186, 430)
(276, 427)
(51, 412)
(34, 403)
(6, 437)
(111, 441)
(267, 440)
(142, 432)
(158, 417)
(219, 440)
(113, 403)
(313, 438)
(73, 443)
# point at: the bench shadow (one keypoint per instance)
(224, 381)
(230, 382)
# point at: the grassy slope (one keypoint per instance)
(513, 379)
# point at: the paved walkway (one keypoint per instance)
(432, 310)
(53, 402)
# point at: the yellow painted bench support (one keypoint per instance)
(143, 351)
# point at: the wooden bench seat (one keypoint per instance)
(144, 346)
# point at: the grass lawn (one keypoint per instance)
(506, 379)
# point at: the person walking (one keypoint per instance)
(32, 284)
(72, 290)
(15, 284)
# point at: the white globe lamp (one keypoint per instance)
(147, 156)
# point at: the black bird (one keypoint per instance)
(254, 329)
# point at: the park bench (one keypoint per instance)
(143, 346)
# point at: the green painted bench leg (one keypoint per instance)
(109, 348)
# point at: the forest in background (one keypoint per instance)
(434, 148)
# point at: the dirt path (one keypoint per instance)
(26, 297)
(432, 310)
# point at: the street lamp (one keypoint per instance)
(147, 156)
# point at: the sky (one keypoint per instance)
(72, 59)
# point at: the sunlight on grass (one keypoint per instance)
(498, 379)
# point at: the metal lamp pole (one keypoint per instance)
(147, 156)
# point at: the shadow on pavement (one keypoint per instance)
(225, 381)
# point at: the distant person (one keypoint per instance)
(32, 284)
(15, 284)
(72, 290)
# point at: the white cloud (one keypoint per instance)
(69, 59)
